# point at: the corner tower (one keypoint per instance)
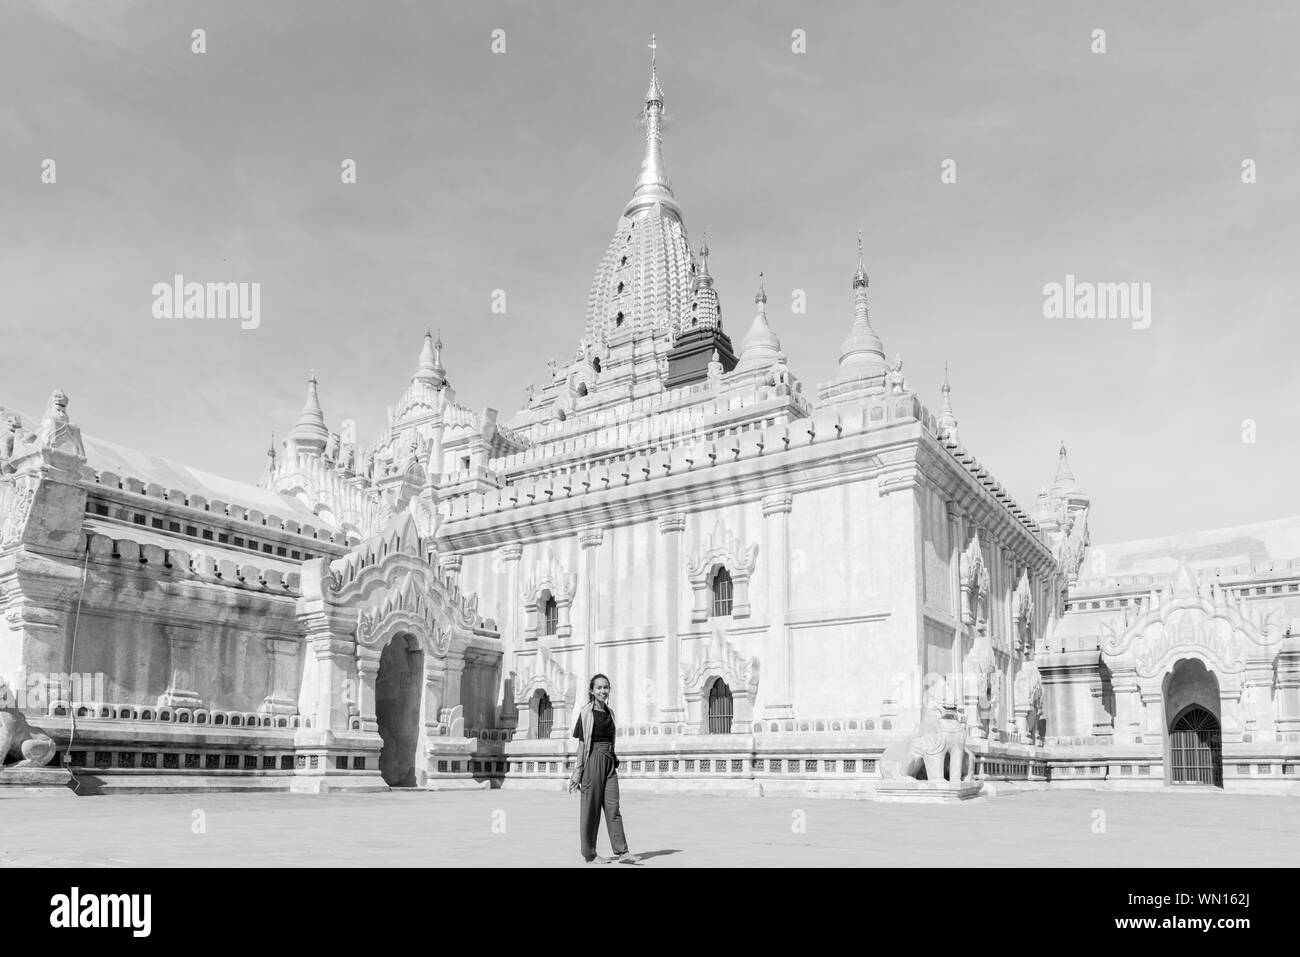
(698, 337)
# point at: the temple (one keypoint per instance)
(783, 581)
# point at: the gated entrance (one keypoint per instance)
(1195, 748)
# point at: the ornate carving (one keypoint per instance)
(1071, 548)
(17, 493)
(542, 672)
(424, 510)
(1195, 617)
(1023, 605)
(9, 439)
(1028, 701)
(441, 639)
(719, 658)
(549, 577)
(18, 739)
(721, 548)
(975, 585)
(938, 747)
(57, 431)
(894, 381)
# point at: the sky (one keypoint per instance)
(480, 171)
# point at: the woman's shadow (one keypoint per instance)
(646, 855)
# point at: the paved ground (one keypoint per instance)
(532, 828)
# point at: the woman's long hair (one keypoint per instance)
(591, 686)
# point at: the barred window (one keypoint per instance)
(550, 616)
(720, 710)
(545, 716)
(721, 593)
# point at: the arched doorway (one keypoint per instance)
(398, 686)
(1194, 742)
(1195, 748)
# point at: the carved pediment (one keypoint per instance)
(544, 673)
(549, 575)
(718, 657)
(1192, 616)
(721, 547)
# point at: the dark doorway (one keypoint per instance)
(1195, 748)
(397, 709)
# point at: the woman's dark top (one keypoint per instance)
(602, 727)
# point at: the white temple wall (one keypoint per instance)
(853, 611)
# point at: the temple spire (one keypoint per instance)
(1064, 475)
(860, 277)
(947, 421)
(309, 433)
(760, 346)
(430, 369)
(652, 186)
(862, 354)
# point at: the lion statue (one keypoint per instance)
(18, 739)
(938, 748)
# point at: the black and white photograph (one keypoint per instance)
(626, 436)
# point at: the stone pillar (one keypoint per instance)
(776, 515)
(180, 691)
(1153, 707)
(336, 688)
(507, 558)
(564, 611)
(435, 452)
(281, 697)
(435, 690)
(454, 667)
(671, 711)
(367, 672)
(1288, 689)
(1128, 705)
(954, 677)
(1259, 694)
(590, 540)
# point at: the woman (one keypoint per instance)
(595, 777)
